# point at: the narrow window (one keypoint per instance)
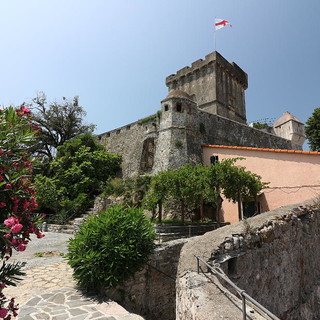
(166, 107)
(179, 107)
(214, 159)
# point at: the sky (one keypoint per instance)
(116, 54)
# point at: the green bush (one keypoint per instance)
(78, 173)
(110, 247)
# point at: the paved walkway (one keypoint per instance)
(48, 292)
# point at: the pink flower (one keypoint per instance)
(2, 204)
(2, 285)
(15, 199)
(25, 204)
(25, 110)
(39, 235)
(10, 221)
(22, 111)
(16, 228)
(21, 247)
(3, 312)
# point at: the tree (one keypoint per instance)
(78, 173)
(312, 130)
(59, 122)
(17, 202)
(191, 186)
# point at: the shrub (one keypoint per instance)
(110, 247)
(17, 202)
(78, 173)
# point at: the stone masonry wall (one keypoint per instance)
(215, 84)
(200, 128)
(128, 141)
(274, 258)
(151, 292)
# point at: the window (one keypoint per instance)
(214, 159)
(166, 107)
(179, 107)
(250, 208)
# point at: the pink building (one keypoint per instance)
(293, 176)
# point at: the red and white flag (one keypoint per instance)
(220, 23)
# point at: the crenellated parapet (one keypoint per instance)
(205, 66)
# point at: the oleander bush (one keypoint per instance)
(110, 247)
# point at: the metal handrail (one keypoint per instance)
(217, 271)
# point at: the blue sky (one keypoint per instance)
(115, 54)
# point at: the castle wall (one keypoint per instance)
(128, 141)
(208, 128)
(178, 139)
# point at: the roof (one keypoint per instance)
(287, 116)
(178, 94)
(261, 149)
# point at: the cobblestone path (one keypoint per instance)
(48, 292)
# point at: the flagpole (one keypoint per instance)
(214, 35)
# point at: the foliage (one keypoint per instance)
(110, 247)
(147, 119)
(312, 130)
(153, 117)
(193, 185)
(77, 174)
(132, 190)
(259, 125)
(59, 122)
(17, 201)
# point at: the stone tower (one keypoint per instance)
(215, 85)
(290, 128)
(177, 113)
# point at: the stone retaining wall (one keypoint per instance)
(151, 292)
(274, 258)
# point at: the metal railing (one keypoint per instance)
(216, 270)
(172, 231)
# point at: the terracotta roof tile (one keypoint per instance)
(260, 149)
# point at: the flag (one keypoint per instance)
(219, 23)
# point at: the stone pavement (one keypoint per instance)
(48, 292)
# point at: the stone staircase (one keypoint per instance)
(73, 225)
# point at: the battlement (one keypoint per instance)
(214, 57)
